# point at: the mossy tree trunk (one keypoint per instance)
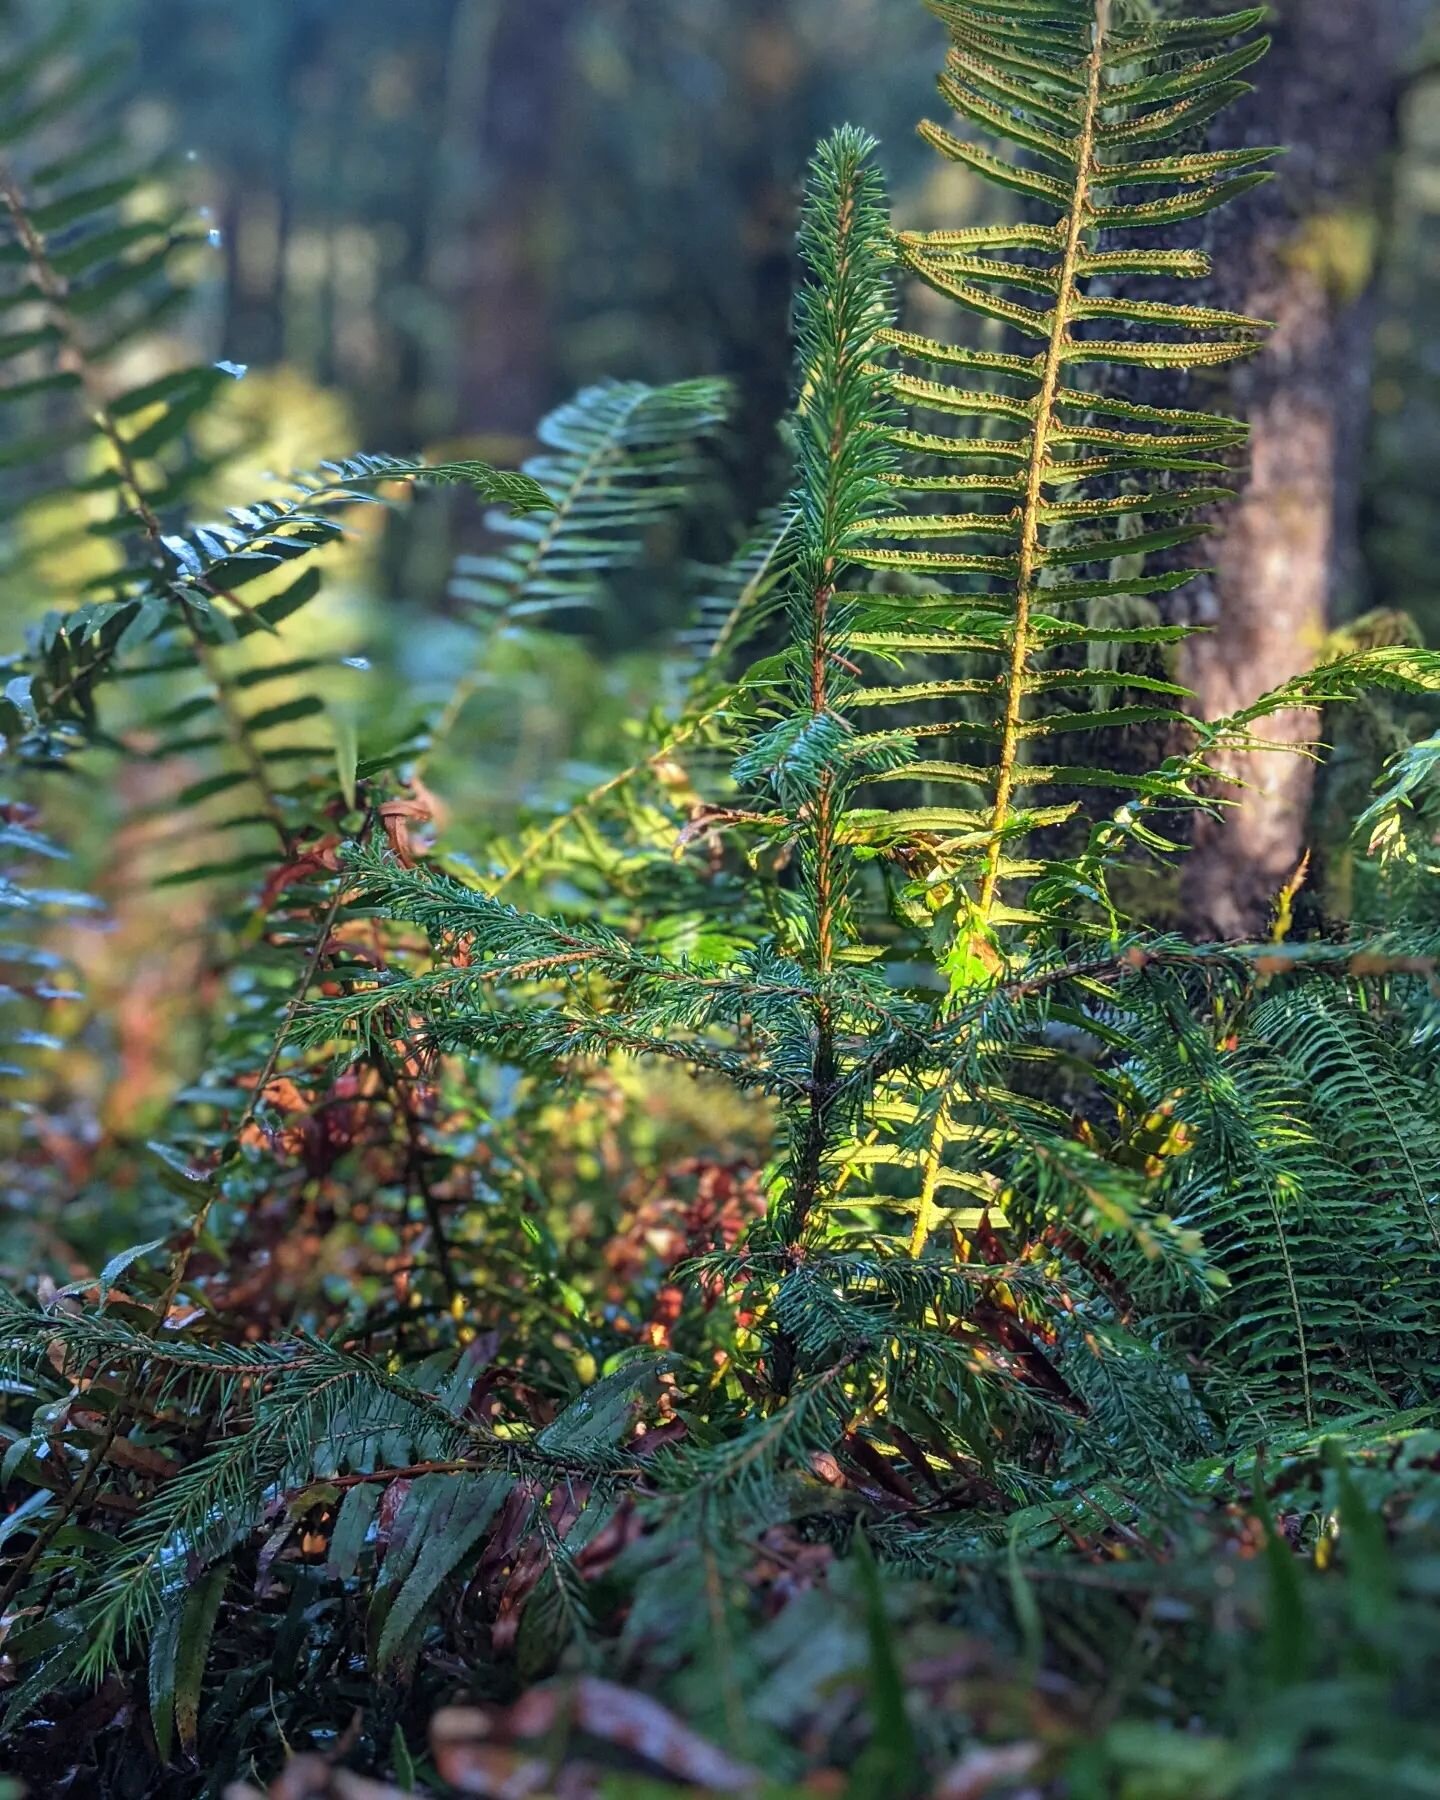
(1301, 253)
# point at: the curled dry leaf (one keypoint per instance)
(322, 858)
(985, 1772)
(466, 1760)
(599, 1709)
(398, 818)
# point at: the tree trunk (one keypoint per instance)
(507, 374)
(1300, 252)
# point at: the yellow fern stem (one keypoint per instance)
(1045, 411)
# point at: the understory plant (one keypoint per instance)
(781, 1224)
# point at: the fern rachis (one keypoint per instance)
(1044, 420)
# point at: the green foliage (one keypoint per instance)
(618, 458)
(1096, 484)
(434, 1368)
(1311, 1093)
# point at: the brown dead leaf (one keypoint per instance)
(306, 1778)
(320, 858)
(397, 820)
(986, 1771)
(283, 1095)
(632, 1722)
(1369, 963)
(467, 1759)
(345, 1786)
(1266, 966)
(315, 1778)
(125, 1454)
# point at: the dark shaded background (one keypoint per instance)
(457, 210)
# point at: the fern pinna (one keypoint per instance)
(615, 461)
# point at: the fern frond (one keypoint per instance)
(741, 595)
(615, 461)
(1313, 1194)
(1076, 101)
(92, 266)
(83, 297)
(738, 600)
(299, 1411)
(804, 758)
(41, 1016)
(180, 619)
(1405, 796)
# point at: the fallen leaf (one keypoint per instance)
(632, 1722)
(982, 1771)
(466, 1759)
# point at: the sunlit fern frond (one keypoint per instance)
(1046, 493)
(174, 625)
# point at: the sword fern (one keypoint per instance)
(1068, 491)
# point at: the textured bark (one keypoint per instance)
(1300, 252)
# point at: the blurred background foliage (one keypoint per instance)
(445, 217)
